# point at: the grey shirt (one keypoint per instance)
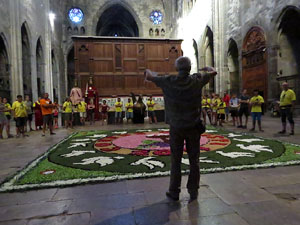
(182, 95)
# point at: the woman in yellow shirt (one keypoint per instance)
(206, 110)
(214, 105)
(256, 111)
(68, 109)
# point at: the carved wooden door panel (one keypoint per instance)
(255, 69)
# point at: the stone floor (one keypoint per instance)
(254, 197)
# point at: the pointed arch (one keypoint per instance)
(26, 59)
(125, 5)
(5, 73)
(233, 66)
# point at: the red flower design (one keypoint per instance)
(162, 152)
(140, 153)
(110, 149)
(214, 143)
(102, 144)
(204, 149)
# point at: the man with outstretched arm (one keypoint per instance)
(182, 95)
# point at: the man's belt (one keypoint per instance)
(285, 106)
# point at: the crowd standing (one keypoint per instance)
(46, 113)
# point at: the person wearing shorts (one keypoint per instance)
(206, 110)
(119, 110)
(256, 111)
(104, 112)
(129, 110)
(47, 112)
(214, 106)
(29, 112)
(20, 114)
(221, 112)
(151, 112)
(68, 109)
(7, 113)
(234, 107)
(287, 105)
(82, 111)
(244, 109)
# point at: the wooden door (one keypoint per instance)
(255, 69)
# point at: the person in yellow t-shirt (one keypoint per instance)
(20, 113)
(82, 111)
(68, 109)
(129, 110)
(151, 112)
(287, 104)
(119, 110)
(221, 112)
(7, 113)
(206, 108)
(256, 111)
(214, 106)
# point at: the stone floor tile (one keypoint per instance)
(205, 207)
(157, 184)
(110, 202)
(293, 189)
(42, 209)
(226, 219)
(90, 191)
(158, 213)
(74, 219)
(268, 213)
(14, 222)
(20, 198)
(232, 189)
(113, 217)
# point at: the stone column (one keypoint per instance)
(15, 50)
(34, 73)
(48, 61)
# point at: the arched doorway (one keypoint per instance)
(40, 68)
(117, 21)
(233, 66)
(55, 76)
(4, 71)
(209, 55)
(255, 69)
(71, 70)
(26, 61)
(289, 49)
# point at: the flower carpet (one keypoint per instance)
(100, 156)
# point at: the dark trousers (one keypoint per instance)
(192, 139)
(287, 113)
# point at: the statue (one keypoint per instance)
(76, 94)
(92, 93)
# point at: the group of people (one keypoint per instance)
(135, 110)
(22, 111)
(46, 113)
(217, 109)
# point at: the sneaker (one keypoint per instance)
(52, 133)
(43, 135)
(292, 133)
(10, 136)
(174, 198)
(252, 129)
(261, 130)
(282, 132)
(240, 126)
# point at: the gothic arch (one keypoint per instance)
(40, 66)
(233, 66)
(126, 5)
(208, 54)
(255, 62)
(26, 59)
(289, 47)
(5, 73)
(55, 75)
(70, 68)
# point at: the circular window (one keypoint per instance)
(76, 15)
(156, 17)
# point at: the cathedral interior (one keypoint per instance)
(252, 44)
(118, 173)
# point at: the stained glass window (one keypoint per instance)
(76, 15)
(156, 17)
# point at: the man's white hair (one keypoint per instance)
(183, 63)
